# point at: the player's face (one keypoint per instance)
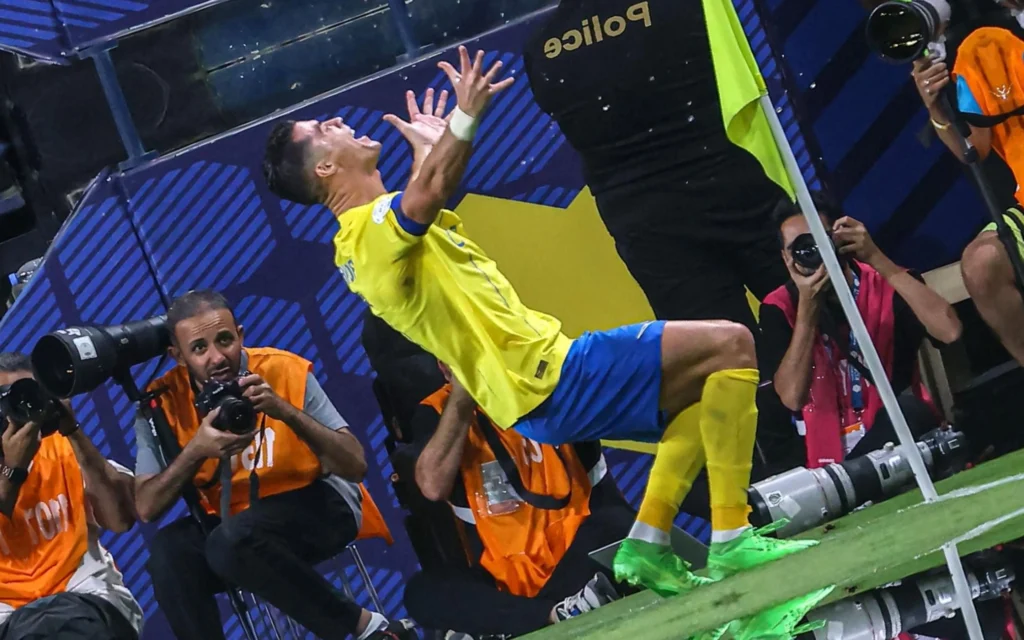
(335, 145)
(210, 345)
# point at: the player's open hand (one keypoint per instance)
(473, 87)
(426, 125)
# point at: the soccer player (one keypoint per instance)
(689, 386)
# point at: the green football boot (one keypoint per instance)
(751, 549)
(656, 567)
(782, 622)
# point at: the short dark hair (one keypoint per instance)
(192, 304)
(786, 209)
(13, 362)
(284, 166)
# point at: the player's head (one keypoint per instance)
(305, 161)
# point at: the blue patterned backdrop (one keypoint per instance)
(204, 218)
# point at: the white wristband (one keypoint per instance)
(462, 125)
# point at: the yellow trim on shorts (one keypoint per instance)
(1015, 220)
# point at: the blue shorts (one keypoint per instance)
(609, 389)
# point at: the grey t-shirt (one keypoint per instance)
(316, 404)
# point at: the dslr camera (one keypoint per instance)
(25, 401)
(237, 413)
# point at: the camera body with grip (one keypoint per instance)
(237, 413)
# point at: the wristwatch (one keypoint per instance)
(15, 475)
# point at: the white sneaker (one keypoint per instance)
(597, 593)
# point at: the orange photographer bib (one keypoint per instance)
(522, 546)
(43, 543)
(282, 460)
(991, 62)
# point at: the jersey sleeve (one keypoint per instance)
(965, 99)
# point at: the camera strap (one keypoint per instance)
(987, 122)
(850, 352)
(508, 465)
(254, 478)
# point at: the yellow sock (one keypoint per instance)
(728, 422)
(679, 459)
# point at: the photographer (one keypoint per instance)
(820, 375)
(988, 81)
(293, 499)
(534, 513)
(56, 493)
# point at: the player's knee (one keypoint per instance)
(735, 346)
(983, 264)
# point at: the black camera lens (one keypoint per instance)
(805, 252)
(237, 414)
(899, 31)
(25, 401)
(79, 359)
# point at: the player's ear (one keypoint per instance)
(325, 168)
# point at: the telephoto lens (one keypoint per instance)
(884, 614)
(79, 359)
(900, 30)
(810, 497)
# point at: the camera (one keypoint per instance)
(901, 30)
(805, 252)
(883, 614)
(79, 359)
(25, 401)
(237, 414)
(810, 497)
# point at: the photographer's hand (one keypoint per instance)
(852, 239)
(460, 398)
(211, 442)
(930, 78)
(20, 445)
(263, 397)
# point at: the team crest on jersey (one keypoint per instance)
(380, 210)
(348, 272)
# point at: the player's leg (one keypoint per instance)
(696, 358)
(725, 381)
(990, 280)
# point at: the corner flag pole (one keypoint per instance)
(874, 363)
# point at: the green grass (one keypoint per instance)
(865, 550)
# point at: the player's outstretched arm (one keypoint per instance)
(442, 169)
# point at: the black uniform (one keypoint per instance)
(636, 97)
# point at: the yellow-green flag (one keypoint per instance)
(740, 87)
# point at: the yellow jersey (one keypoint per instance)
(441, 291)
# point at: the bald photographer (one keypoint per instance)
(57, 494)
(275, 467)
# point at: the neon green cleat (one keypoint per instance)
(751, 549)
(782, 622)
(656, 567)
